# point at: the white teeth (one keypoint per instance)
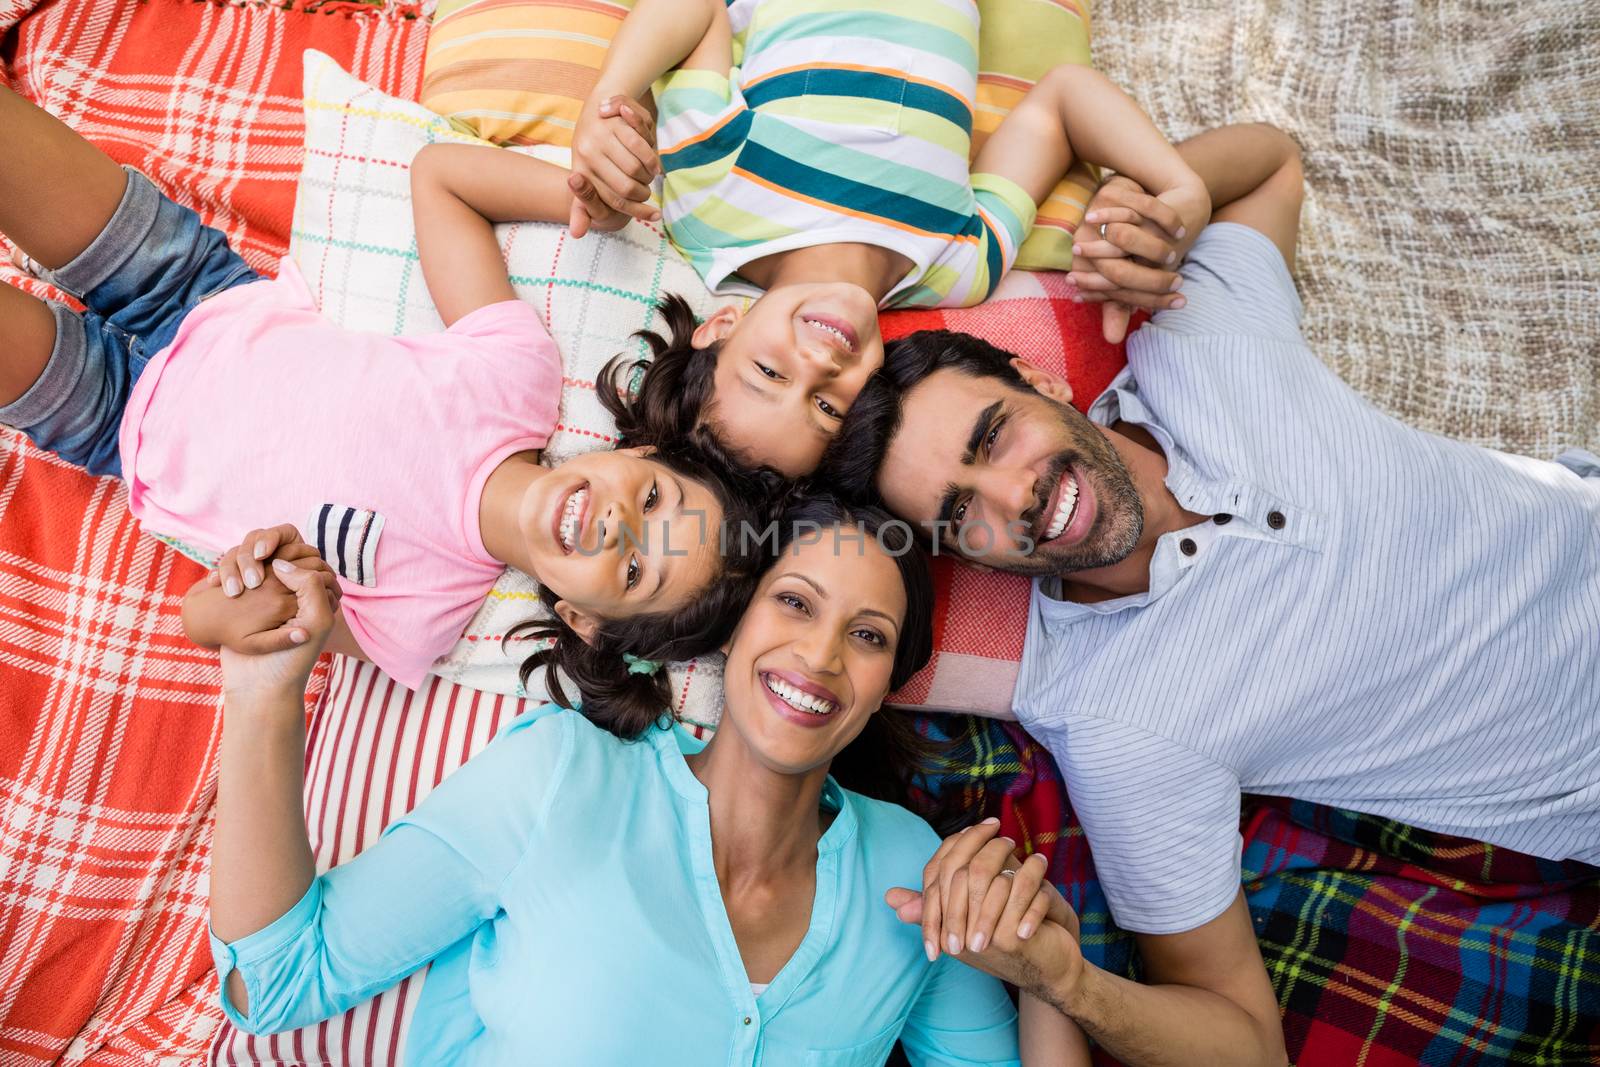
(570, 516)
(799, 699)
(840, 334)
(1064, 510)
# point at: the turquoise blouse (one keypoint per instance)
(561, 883)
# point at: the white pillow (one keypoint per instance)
(354, 241)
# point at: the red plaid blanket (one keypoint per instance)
(108, 717)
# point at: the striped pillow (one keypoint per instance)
(518, 72)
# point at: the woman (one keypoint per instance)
(574, 876)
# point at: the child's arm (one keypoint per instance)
(1075, 112)
(1049, 1038)
(613, 144)
(458, 193)
(655, 37)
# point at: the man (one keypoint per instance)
(1250, 579)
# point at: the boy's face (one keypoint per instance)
(788, 370)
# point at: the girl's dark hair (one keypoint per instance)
(628, 703)
(893, 756)
(673, 390)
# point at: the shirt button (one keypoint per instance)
(1188, 547)
(747, 1020)
(1276, 520)
(1222, 518)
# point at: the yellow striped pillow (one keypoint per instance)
(518, 72)
(1019, 41)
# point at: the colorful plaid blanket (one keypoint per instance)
(1387, 944)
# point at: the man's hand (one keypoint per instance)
(1134, 265)
(613, 163)
(981, 905)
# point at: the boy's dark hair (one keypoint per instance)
(674, 388)
(850, 465)
(892, 754)
(627, 703)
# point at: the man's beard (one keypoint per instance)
(1119, 522)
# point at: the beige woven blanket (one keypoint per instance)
(1450, 246)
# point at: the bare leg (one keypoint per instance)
(57, 190)
(27, 336)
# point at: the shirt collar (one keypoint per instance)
(676, 742)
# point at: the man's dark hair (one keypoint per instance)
(850, 466)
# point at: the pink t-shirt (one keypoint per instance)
(262, 412)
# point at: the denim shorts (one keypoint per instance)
(148, 268)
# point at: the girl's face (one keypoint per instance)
(811, 659)
(616, 534)
(789, 368)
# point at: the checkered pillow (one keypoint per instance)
(354, 241)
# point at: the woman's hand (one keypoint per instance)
(1003, 917)
(244, 566)
(613, 163)
(278, 661)
(272, 630)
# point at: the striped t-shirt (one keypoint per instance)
(839, 123)
(1377, 618)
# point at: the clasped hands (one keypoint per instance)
(1135, 263)
(984, 907)
(268, 606)
(613, 163)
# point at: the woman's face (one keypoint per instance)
(617, 534)
(789, 369)
(812, 656)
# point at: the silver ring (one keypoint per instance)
(1009, 874)
(1102, 231)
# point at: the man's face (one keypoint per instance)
(1009, 478)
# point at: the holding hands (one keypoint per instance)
(269, 606)
(613, 163)
(1129, 248)
(1001, 916)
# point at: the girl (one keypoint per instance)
(581, 869)
(226, 402)
(815, 157)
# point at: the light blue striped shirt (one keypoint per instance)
(1390, 621)
(562, 884)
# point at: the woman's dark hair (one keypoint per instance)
(659, 400)
(893, 757)
(628, 703)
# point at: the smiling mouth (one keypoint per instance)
(798, 699)
(839, 331)
(572, 513)
(1066, 507)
